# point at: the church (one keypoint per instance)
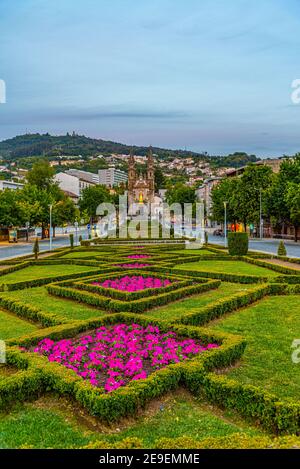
(141, 186)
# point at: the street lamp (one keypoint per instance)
(50, 207)
(225, 223)
(76, 228)
(261, 233)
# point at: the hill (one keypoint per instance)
(73, 144)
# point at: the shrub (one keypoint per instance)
(36, 248)
(80, 239)
(281, 249)
(71, 236)
(238, 244)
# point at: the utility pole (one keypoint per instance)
(261, 233)
(225, 223)
(50, 231)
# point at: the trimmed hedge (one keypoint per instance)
(31, 313)
(224, 306)
(43, 281)
(128, 399)
(277, 268)
(238, 244)
(135, 306)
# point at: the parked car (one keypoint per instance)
(218, 232)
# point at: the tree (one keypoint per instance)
(254, 180)
(292, 198)
(181, 194)
(36, 248)
(225, 191)
(64, 212)
(92, 197)
(281, 201)
(159, 179)
(12, 212)
(41, 175)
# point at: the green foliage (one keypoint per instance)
(181, 194)
(36, 248)
(92, 197)
(41, 175)
(71, 236)
(238, 244)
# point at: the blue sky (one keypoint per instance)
(206, 75)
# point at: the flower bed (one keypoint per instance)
(113, 356)
(136, 265)
(133, 283)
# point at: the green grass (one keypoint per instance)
(42, 271)
(194, 303)
(40, 298)
(270, 327)
(228, 267)
(52, 424)
(12, 326)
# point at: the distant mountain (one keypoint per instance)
(46, 145)
(73, 144)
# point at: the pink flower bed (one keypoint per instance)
(138, 256)
(113, 356)
(133, 283)
(136, 265)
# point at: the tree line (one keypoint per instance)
(279, 194)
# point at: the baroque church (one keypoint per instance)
(141, 186)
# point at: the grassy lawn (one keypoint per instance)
(42, 271)
(12, 326)
(57, 424)
(189, 305)
(270, 327)
(40, 298)
(228, 267)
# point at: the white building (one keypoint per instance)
(112, 177)
(204, 194)
(84, 176)
(10, 185)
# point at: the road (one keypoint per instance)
(267, 245)
(21, 249)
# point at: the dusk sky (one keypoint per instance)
(206, 75)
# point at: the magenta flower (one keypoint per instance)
(133, 283)
(112, 356)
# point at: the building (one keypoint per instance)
(68, 183)
(273, 163)
(84, 176)
(140, 186)
(10, 185)
(112, 176)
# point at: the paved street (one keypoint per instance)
(19, 249)
(22, 248)
(268, 245)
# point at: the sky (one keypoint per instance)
(203, 75)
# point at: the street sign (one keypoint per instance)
(88, 226)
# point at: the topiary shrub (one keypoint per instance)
(71, 236)
(281, 249)
(238, 244)
(36, 248)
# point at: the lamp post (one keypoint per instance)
(76, 235)
(50, 233)
(261, 233)
(225, 223)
